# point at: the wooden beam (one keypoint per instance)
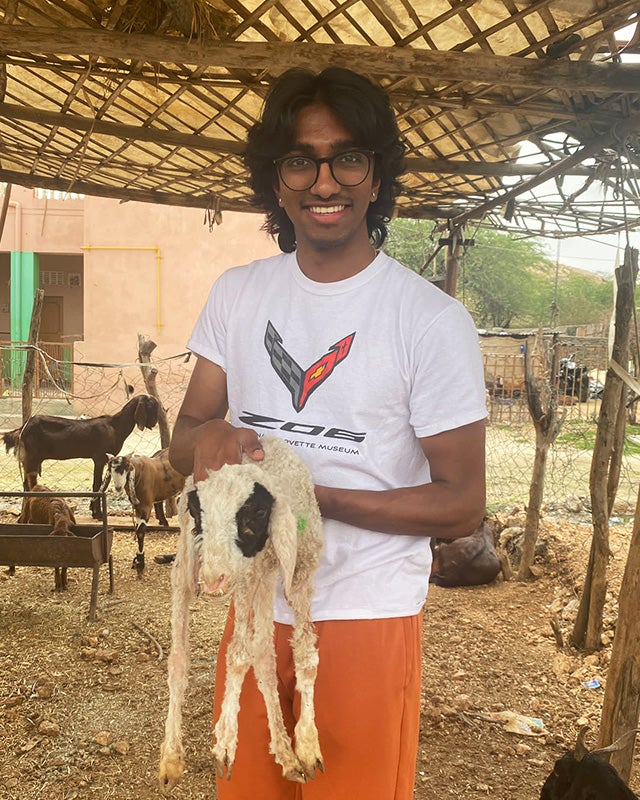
(618, 134)
(571, 76)
(492, 169)
(203, 143)
(485, 105)
(120, 193)
(126, 132)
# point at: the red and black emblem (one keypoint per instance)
(299, 382)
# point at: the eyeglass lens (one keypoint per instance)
(301, 172)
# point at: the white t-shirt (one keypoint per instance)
(350, 374)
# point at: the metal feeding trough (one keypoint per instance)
(27, 545)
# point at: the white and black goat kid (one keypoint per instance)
(241, 529)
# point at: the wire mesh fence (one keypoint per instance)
(105, 388)
(97, 389)
(577, 378)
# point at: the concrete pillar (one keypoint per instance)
(25, 279)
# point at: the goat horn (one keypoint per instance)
(619, 744)
(580, 750)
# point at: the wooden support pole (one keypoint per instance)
(30, 365)
(622, 693)
(453, 260)
(145, 347)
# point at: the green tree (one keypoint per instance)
(411, 242)
(582, 298)
(504, 281)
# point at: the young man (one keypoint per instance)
(375, 377)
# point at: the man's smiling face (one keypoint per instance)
(327, 216)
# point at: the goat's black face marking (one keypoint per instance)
(252, 521)
(193, 504)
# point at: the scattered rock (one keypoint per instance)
(103, 738)
(49, 728)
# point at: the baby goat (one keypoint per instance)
(42, 437)
(242, 528)
(147, 481)
(52, 511)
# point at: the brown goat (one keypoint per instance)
(52, 511)
(60, 438)
(147, 481)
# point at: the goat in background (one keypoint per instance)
(583, 775)
(147, 482)
(60, 438)
(52, 511)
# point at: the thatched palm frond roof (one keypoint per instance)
(151, 99)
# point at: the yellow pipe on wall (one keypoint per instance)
(156, 250)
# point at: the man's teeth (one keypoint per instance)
(326, 209)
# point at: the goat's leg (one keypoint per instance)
(264, 666)
(98, 467)
(305, 657)
(160, 515)
(183, 592)
(138, 559)
(238, 661)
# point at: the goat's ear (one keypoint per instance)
(131, 486)
(193, 504)
(106, 480)
(146, 413)
(283, 532)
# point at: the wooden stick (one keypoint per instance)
(151, 639)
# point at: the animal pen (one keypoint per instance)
(512, 112)
(510, 436)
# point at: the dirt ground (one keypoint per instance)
(82, 704)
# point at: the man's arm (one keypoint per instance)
(452, 505)
(202, 440)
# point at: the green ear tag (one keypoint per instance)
(302, 524)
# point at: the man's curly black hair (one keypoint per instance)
(362, 108)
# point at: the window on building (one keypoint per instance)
(51, 277)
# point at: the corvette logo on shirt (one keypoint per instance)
(301, 383)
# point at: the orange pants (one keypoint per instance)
(367, 702)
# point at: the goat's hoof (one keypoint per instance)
(295, 774)
(311, 768)
(138, 563)
(309, 756)
(170, 773)
(222, 765)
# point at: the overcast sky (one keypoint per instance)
(593, 253)
(597, 253)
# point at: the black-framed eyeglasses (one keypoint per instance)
(299, 172)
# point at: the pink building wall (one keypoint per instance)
(145, 268)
